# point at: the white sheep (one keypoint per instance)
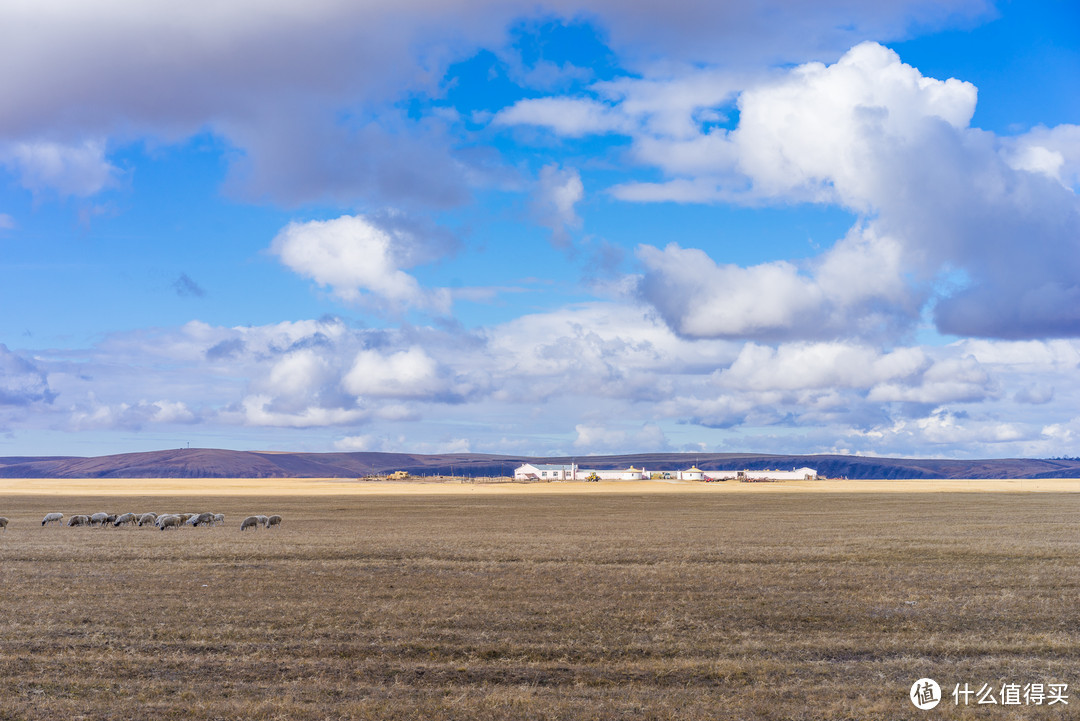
(147, 518)
(262, 520)
(250, 522)
(3, 523)
(169, 522)
(79, 520)
(50, 517)
(127, 518)
(203, 519)
(99, 519)
(219, 519)
(273, 521)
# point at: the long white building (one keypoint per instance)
(571, 472)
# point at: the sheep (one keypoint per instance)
(50, 517)
(111, 518)
(147, 518)
(273, 521)
(99, 519)
(250, 522)
(127, 518)
(3, 523)
(169, 522)
(263, 520)
(219, 519)
(185, 517)
(203, 519)
(79, 520)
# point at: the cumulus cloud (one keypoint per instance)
(79, 169)
(606, 439)
(306, 92)
(360, 258)
(856, 288)
(404, 374)
(22, 382)
(938, 200)
(558, 190)
(92, 414)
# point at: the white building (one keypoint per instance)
(570, 472)
(797, 474)
(546, 472)
(691, 474)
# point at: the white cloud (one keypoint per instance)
(557, 192)
(306, 92)
(77, 169)
(595, 439)
(261, 410)
(856, 289)
(410, 373)
(566, 116)
(22, 381)
(1055, 152)
(360, 259)
(937, 199)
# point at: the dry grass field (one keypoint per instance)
(710, 605)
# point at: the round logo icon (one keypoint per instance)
(925, 694)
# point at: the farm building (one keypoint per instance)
(546, 472)
(570, 472)
(797, 474)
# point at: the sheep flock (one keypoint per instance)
(161, 521)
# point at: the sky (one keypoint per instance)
(565, 227)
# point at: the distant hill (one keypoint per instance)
(216, 463)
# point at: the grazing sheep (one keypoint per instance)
(273, 521)
(250, 522)
(262, 520)
(185, 517)
(203, 519)
(127, 518)
(219, 519)
(50, 517)
(169, 522)
(99, 519)
(3, 523)
(147, 518)
(79, 520)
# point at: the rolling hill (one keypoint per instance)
(218, 463)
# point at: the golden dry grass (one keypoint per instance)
(524, 605)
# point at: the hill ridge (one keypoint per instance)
(224, 463)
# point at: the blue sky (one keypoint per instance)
(568, 227)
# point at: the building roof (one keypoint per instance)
(550, 466)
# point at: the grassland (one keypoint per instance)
(774, 604)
